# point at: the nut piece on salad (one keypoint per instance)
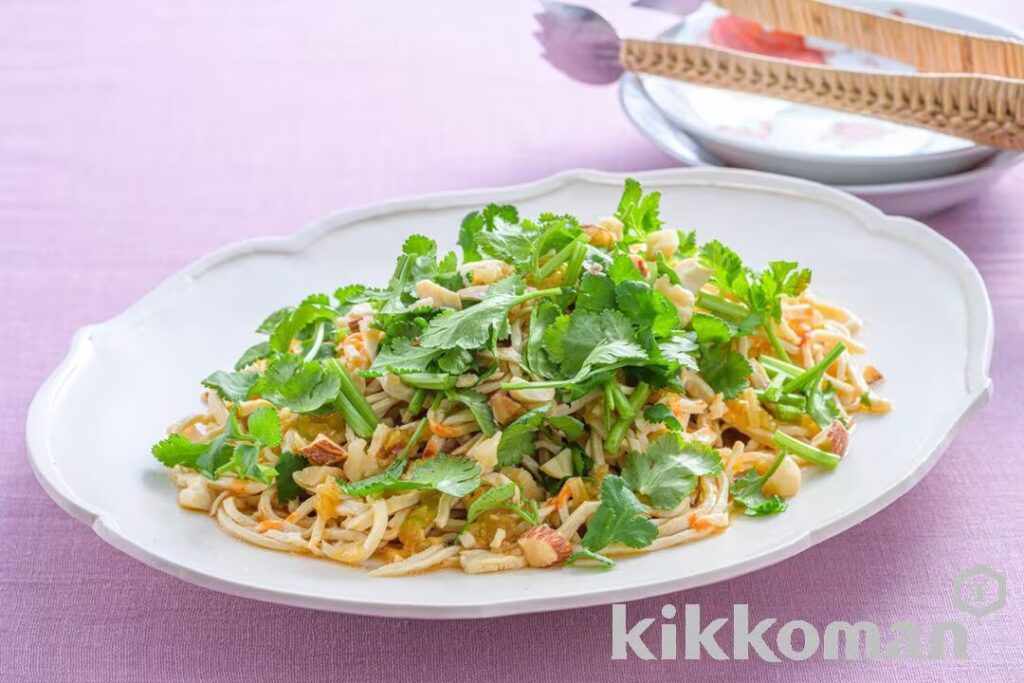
(323, 450)
(543, 546)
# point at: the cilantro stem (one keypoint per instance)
(738, 312)
(560, 257)
(792, 400)
(774, 339)
(428, 380)
(775, 463)
(549, 384)
(784, 412)
(717, 304)
(637, 399)
(773, 390)
(575, 266)
(779, 367)
(619, 399)
(352, 404)
(318, 340)
(805, 451)
(413, 440)
(416, 404)
(523, 298)
(609, 402)
(814, 373)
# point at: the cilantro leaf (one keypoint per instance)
(747, 491)
(401, 357)
(314, 309)
(474, 327)
(288, 464)
(541, 318)
(659, 413)
(623, 269)
(725, 264)
(254, 353)
(677, 350)
(637, 211)
(375, 484)
(667, 473)
(568, 425)
(265, 427)
(646, 308)
(502, 497)
(477, 222)
(232, 386)
(244, 463)
(507, 242)
(489, 500)
(620, 517)
(271, 322)
(725, 371)
(455, 361)
(687, 244)
(477, 404)
(417, 261)
(520, 437)
(597, 293)
(779, 278)
(449, 474)
(572, 339)
(175, 449)
(302, 387)
(711, 330)
(231, 452)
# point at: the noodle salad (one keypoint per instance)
(566, 393)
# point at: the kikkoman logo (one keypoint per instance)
(979, 591)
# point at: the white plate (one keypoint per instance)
(918, 198)
(769, 134)
(91, 425)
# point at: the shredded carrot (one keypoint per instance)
(270, 524)
(444, 431)
(563, 495)
(431, 449)
(700, 523)
(674, 404)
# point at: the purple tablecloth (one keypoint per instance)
(137, 136)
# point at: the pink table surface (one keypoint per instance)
(137, 136)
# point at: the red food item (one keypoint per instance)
(745, 35)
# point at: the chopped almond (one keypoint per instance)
(839, 437)
(543, 546)
(324, 450)
(504, 408)
(872, 375)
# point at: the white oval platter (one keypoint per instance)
(928, 325)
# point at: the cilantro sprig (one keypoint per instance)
(503, 497)
(449, 474)
(234, 451)
(760, 292)
(747, 491)
(667, 472)
(620, 518)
